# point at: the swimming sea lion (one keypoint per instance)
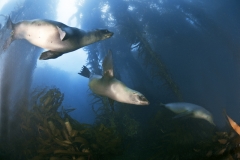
(189, 109)
(54, 36)
(110, 87)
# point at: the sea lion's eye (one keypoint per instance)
(141, 97)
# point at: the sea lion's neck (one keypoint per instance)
(89, 38)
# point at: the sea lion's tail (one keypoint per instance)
(85, 72)
(161, 105)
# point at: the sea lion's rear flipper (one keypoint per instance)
(62, 34)
(85, 72)
(50, 55)
(108, 65)
(111, 103)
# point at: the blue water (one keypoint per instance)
(170, 51)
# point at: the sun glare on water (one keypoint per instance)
(2, 3)
(73, 61)
(65, 9)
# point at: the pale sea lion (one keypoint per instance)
(54, 36)
(188, 109)
(107, 85)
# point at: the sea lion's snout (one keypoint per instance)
(138, 99)
(144, 103)
(109, 34)
(143, 100)
(105, 33)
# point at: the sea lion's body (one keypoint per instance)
(111, 88)
(45, 34)
(54, 36)
(189, 109)
(107, 85)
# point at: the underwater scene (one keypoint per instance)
(119, 80)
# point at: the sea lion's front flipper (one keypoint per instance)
(62, 34)
(50, 55)
(108, 65)
(182, 115)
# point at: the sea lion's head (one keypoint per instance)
(138, 99)
(103, 34)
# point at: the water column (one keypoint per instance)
(17, 65)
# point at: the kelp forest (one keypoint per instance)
(157, 46)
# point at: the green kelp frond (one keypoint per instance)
(47, 101)
(116, 119)
(130, 125)
(44, 134)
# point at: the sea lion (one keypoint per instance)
(107, 85)
(54, 36)
(188, 109)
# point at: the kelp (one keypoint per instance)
(93, 60)
(118, 119)
(177, 138)
(228, 142)
(225, 144)
(190, 139)
(131, 31)
(44, 134)
(18, 62)
(153, 60)
(135, 34)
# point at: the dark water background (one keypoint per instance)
(185, 50)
